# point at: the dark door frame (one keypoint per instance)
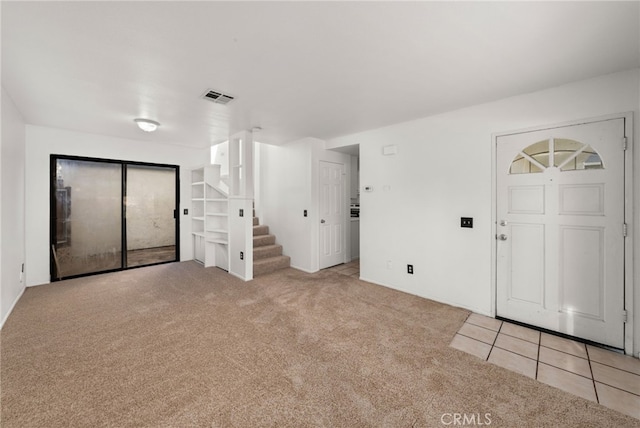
(124, 164)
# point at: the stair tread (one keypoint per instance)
(268, 247)
(267, 255)
(258, 237)
(269, 260)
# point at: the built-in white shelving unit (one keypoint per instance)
(209, 217)
(222, 220)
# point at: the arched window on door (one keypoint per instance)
(561, 153)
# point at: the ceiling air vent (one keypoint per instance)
(217, 97)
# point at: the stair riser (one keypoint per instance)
(267, 255)
(262, 240)
(278, 263)
(260, 230)
(266, 252)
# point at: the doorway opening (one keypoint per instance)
(351, 264)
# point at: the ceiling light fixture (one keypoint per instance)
(147, 125)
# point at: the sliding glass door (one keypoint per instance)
(110, 215)
(150, 209)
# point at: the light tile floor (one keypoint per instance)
(349, 269)
(596, 374)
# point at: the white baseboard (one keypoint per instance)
(238, 276)
(304, 270)
(435, 299)
(15, 302)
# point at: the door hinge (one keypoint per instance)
(624, 316)
(624, 143)
(624, 230)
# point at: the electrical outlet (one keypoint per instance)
(241, 212)
(305, 213)
(466, 222)
(410, 269)
(185, 211)
(241, 255)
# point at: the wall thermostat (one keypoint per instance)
(390, 150)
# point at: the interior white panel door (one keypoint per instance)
(560, 213)
(527, 263)
(332, 214)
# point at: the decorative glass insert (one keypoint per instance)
(562, 153)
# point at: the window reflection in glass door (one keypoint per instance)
(88, 199)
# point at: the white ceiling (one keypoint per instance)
(297, 69)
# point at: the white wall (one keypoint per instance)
(287, 178)
(284, 192)
(220, 156)
(41, 142)
(12, 210)
(442, 171)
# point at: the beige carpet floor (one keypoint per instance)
(178, 345)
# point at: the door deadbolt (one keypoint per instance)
(502, 237)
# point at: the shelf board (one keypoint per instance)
(197, 199)
(218, 214)
(200, 234)
(198, 218)
(218, 241)
(218, 230)
(217, 200)
(197, 183)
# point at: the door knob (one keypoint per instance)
(503, 222)
(322, 221)
(502, 237)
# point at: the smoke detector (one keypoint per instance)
(217, 97)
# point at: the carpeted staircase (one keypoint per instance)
(267, 255)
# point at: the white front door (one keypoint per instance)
(332, 214)
(560, 214)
